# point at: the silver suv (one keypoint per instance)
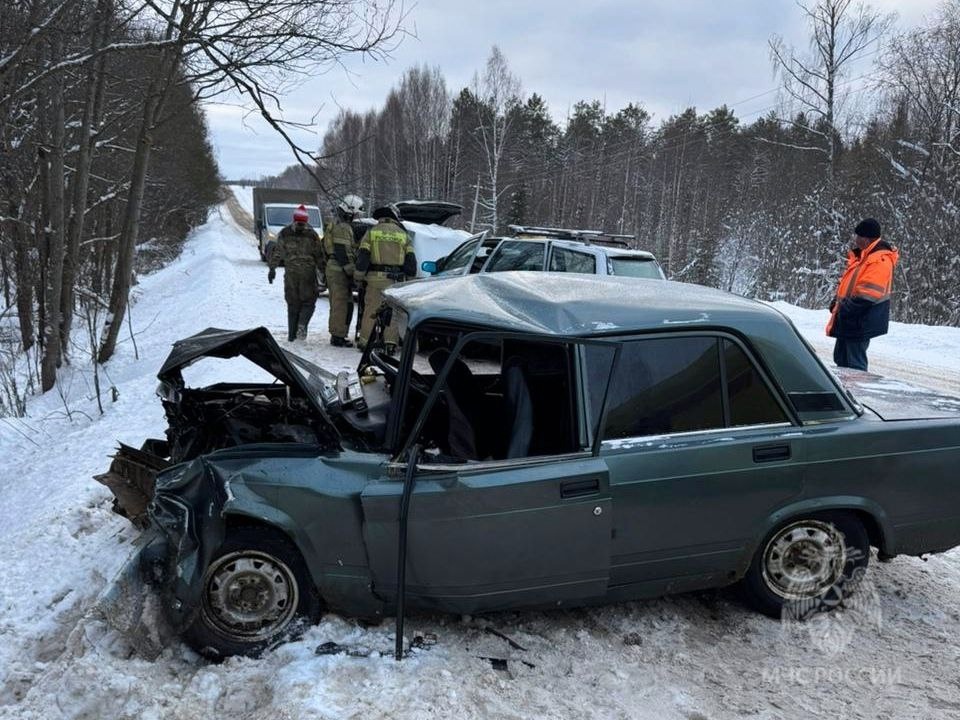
(551, 250)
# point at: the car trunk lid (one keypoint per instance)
(897, 400)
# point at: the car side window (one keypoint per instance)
(517, 255)
(665, 385)
(459, 258)
(565, 260)
(686, 384)
(751, 402)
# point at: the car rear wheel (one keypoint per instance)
(807, 565)
(256, 592)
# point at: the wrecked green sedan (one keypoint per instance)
(564, 440)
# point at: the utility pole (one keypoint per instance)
(476, 199)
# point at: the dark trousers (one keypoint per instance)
(851, 353)
(300, 292)
(298, 317)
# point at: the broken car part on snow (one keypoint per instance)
(689, 440)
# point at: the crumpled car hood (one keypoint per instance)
(256, 345)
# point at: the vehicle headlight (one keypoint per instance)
(168, 391)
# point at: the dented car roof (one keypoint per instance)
(572, 305)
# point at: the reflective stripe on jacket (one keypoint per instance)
(862, 305)
(386, 245)
(339, 244)
(387, 242)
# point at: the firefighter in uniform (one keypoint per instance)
(339, 247)
(861, 308)
(385, 257)
(300, 250)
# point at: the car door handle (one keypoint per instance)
(579, 488)
(771, 453)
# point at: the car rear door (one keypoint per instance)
(701, 453)
(494, 535)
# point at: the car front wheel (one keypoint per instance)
(256, 592)
(807, 565)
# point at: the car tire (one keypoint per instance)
(807, 565)
(256, 592)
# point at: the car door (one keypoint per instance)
(460, 260)
(494, 535)
(528, 525)
(701, 452)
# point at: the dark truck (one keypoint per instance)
(631, 438)
(273, 209)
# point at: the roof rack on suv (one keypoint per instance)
(584, 236)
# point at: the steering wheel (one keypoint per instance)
(391, 368)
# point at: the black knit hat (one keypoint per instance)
(868, 228)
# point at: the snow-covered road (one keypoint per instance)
(893, 654)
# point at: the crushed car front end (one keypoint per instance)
(181, 548)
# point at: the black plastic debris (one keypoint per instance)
(419, 642)
(502, 663)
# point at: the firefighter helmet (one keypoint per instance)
(350, 205)
(390, 210)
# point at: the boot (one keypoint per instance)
(338, 341)
(292, 313)
(302, 332)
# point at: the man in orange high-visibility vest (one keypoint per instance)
(861, 308)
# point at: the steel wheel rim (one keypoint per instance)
(249, 595)
(804, 560)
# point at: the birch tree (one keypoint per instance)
(840, 33)
(498, 91)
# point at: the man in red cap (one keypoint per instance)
(300, 250)
(861, 308)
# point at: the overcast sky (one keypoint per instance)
(665, 54)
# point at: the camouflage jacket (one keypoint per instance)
(298, 251)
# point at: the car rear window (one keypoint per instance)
(634, 267)
(514, 255)
(284, 216)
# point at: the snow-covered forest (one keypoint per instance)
(865, 122)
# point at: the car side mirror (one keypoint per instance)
(429, 266)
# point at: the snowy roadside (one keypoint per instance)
(699, 655)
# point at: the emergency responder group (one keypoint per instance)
(382, 257)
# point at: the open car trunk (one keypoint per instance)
(428, 211)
